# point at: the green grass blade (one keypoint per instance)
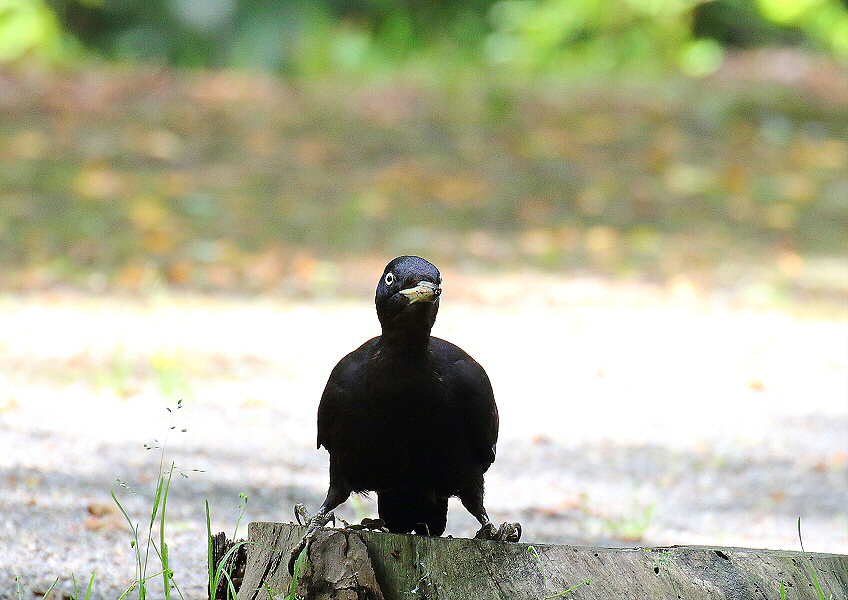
(135, 545)
(167, 573)
(298, 565)
(538, 558)
(815, 579)
(213, 581)
(50, 589)
(569, 590)
(800, 539)
(128, 591)
(231, 589)
(812, 569)
(47, 593)
(242, 510)
(216, 573)
(157, 499)
(90, 588)
(532, 550)
(221, 571)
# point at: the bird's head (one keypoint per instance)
(407, 295)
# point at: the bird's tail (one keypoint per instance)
(405, 510)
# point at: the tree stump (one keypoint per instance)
(233, 563)
(367, 565)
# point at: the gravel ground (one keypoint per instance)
(630, 415)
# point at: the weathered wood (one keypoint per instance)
(233, 564)
(366, 565)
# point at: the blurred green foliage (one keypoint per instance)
(28, 27)
(138, 178)
(234, 181)
(519, 37)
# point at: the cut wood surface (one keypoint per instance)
(367, 565)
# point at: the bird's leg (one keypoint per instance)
(507, 532)
(487, 530)
(301, 515)
(335, 496)
(315, 522)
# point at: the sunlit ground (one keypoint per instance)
(630, 415)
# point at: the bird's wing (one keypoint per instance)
(343, 382)
(472, 395)
(328, 409)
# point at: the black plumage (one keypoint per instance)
(409, 416)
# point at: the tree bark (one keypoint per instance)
(231, 566)
(366, 565)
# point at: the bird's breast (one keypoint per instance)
(403, 432)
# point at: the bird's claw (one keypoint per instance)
(370, 524)
(320, 519)
(301, 515)
(507, 532)
(486, 532)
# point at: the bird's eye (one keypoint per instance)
(390, 278)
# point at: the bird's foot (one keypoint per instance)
(507, 532)
(370, 524)
(313, 523)
(301, 515)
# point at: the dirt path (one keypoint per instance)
(629, 416)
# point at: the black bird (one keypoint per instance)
(409, 416)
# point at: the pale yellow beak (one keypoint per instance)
(423, 292)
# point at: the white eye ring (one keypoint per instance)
(390, 278)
